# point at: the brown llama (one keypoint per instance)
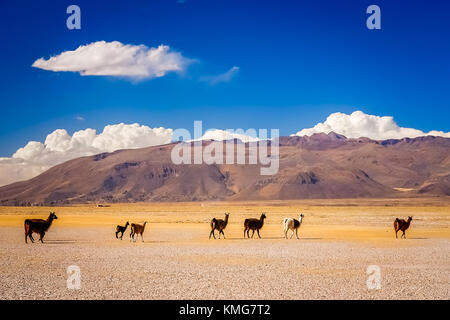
(137, 229)
(219, 225)
(401, 225)
(39, 226)
(121, 230)
(254, 224)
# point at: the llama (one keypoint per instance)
(38, 226)
(292, 224)
(401, 224)
(121, 230)
(219, 225)
(137, 229)
(254, 224)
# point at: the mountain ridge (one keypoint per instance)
(317, 166)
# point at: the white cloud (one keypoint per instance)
(358, 124)
(223, 77)
(103, 58)
(59, 146)
(220, 135)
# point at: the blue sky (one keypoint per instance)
(298, 62)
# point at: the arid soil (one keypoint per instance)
(339, 240)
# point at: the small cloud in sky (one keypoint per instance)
(220, 135)
(115, 59)
(221, 78)
(79, 118)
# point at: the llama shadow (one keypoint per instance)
(269, 238)
(60, 241)
(152, 241)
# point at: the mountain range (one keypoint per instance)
(317, 166)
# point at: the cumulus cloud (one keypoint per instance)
(220, 135)
(358, 124)
(59, 146)
(223, 77)
(103, 58)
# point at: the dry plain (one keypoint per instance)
(339, 239)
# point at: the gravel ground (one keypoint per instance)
(179, 264)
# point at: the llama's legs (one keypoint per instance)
(223, 234)
(253, 232)
(29, 235)
(244, 232)
(404, 234)
(296, 233)
(42, 237)
(292, 234)
(248, 233)
(212, 233)
(257, 230)
(117, 232)
(396, 237)
(142, 237)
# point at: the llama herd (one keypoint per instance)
(41, 226)
(256, 224)
(136, 230)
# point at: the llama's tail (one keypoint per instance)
(26, 225)
(396, 223)
(213, 223)
(285, 221)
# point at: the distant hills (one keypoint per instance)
(318, 166)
